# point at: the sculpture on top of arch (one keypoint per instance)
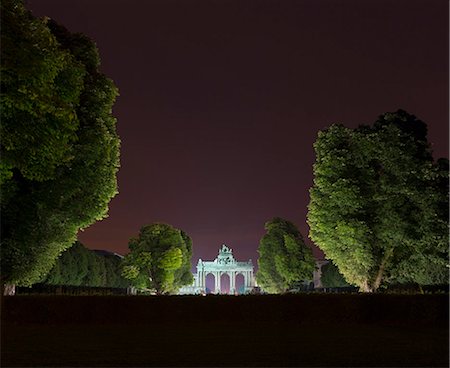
(225, 263)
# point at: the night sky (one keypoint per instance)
(221, 101)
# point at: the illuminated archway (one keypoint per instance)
(240, 283)
(210, 283)
(242, 280)
(225, 282)
(223, 264)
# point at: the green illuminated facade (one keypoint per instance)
(223, 264)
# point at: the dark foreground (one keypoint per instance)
(312, 330)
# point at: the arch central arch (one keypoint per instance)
(225, 283)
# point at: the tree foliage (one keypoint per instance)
(183, 275)
(379, 203)
(79, 266)
(284, 259)
(59, 150)
(331, 277)
(159, 259)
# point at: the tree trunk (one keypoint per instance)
(380, 273)
(365, 288)
(8, 289)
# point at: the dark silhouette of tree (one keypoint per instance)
(284, 259)
(113, 266)
(331, 277)
(379, 203)
(60, 150)
(183, 275)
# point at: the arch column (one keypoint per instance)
(203, 280)
(197, 279)
(232, 276)
(217, 282)
(248, 281)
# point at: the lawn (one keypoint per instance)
(295, 330)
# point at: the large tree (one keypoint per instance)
(59, 149)
(159, 259)
(284, 259)
(379, 203)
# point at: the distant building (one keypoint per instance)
(226, 264)
(223, 264)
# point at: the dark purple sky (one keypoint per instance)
(221, 101)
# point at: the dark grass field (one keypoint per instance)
(306, 330)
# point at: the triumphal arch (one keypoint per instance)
(223, 264)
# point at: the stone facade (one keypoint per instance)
(223, 264)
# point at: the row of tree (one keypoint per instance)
(159, 261)
(378, 209)
(79, 266)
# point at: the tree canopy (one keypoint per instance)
(284, 259)
(60, 150)
(183, 275)
(159, 259)
(379, 203)
(79, 266)
(331, 277)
